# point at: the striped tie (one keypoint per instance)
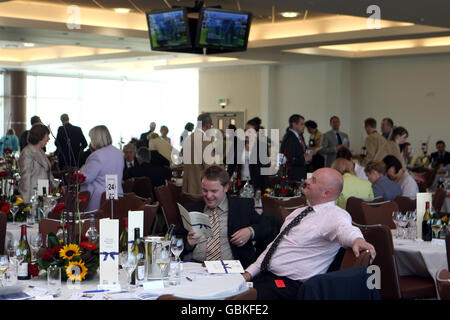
(213, 244)
(276, 242)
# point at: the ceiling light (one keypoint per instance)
(28, 44)
(122, 10)
(289, 14)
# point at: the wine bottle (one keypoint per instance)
(24, 252)
(138, 249)
(169, 234)
(92, 233)
(123, 240)
(427, 233)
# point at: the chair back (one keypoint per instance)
(176, 190)
(443, 284)
(149, 217)
(285, 212)
(271, 207)
(292, 202)
(350, 260)
(381, 238)
(120, 207)
(143, 187)
(405, 203)
(168, 205)
(70, 204)
(3, 222)
(127, 185)
(250, 294)
(439, 199)
(99, 214)
(353, 207)
(49, 225)
(189, 198)
(379, 213)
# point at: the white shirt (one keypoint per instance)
(409, 186)
(309, 248)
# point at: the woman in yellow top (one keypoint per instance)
(353, 186)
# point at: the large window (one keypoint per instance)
(126, 107)
(2, 103)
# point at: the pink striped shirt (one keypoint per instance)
(309, 248)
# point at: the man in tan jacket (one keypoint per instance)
(194, 162)
(374, 140)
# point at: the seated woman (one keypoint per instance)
(382, 186)
(33, 163)
(104, 159)
(353, 186)
(406, 182)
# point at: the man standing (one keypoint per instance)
(333, 141)
(440, 157)
(308, 241)
(193, 148)
(374, 140)
(143, 140)
(386, 127)
(70, 143)
(234, 222)
(293, 147)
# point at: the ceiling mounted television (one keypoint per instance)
(169, 30)
(223, 29)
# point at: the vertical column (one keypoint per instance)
(15, 111)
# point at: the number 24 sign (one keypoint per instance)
(111, 186)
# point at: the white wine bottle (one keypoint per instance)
(24, 254)
(123, 239)
(138, 249)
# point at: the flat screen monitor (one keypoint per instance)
(223, 29)
(169, 30)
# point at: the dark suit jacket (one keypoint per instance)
(157, 159)
(66, 156)
(445, 160)
(258, 180)
(23, 141)
(125, 168)
(241, 214)
(292, 149)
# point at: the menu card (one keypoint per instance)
(421, 199)
(224, 266)
(109, 251)
(197, 221)
(135, 220)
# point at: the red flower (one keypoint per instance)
(48, 254)
(284, 191)
(88, 246)
(33, 270)
(3, 174)
(82, 198)
(78, 178)
(7, 150)
(57, 248)
(5, 208)
(60, 207)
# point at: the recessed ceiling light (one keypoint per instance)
(289, 14)
(28, 44)
(122, 10)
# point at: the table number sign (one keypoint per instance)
(421, 199)
(111, 187)
(224, 266)
(42, 183)
(135, 220)
(109, 252)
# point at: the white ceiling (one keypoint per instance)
(108, 42)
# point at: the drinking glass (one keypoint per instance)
(162, 256)
(412, 225)
(404, 223)
(14, 210)
(3, 267)
(11, 247)
(54, 280)
(177, 246)
(396, 217)
(436, 226)
(36, 244)
(128, 262)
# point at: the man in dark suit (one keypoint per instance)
(440, 157)
(234, 222)
(293, 147)
(143, 140)
(129, 157)
(69, 155)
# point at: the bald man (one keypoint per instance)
(308, 241)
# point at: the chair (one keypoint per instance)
(49, 225)
(168, 205)
(127, 185)
(142, 187)
(149, 217)
(350, 260)
(71, 197)
(438, 201)
(3, 222)
(250, 294)
(176, 190)
(271, 207)
(394, 286)
(120, 207)
(405, 203)
(189, 198)
(99, 214)
(292, 202)
(284, 213)
(443, 284)
(379, 213)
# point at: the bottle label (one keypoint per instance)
(140, 273)
(23, 270)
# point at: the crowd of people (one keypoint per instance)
(292, 257)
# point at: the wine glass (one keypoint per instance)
(436, 226)
(11, 247)
(395, 217)
(177, 246)
(3, 267)
(128, 262)
(36, 243)
(162, 256)
(404, 223)
(14, 210)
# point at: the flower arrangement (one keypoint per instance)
(23, 209)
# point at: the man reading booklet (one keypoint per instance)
(233, 222)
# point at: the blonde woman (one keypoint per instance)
(353, 186)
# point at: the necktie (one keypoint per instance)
(302, 143)
(276, 242)
(213, 244)
(338, 138)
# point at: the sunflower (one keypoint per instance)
(76, 271)
(69, 251)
